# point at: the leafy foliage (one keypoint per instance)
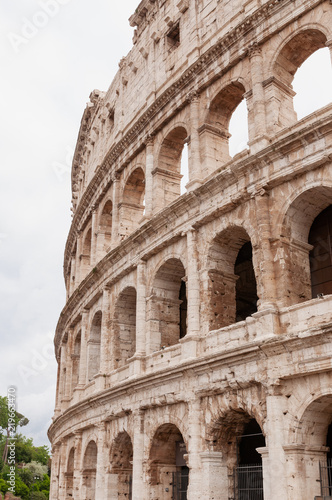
(31, 462)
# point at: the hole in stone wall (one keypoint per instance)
(238, 129)
(246, 290)
(184, 169)
(320, 237)
(313, 83)
(173, 37)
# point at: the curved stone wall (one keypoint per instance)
(190, 317)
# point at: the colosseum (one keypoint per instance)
(194, 349)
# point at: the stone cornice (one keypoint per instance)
(252, 352)
(183, 83)
(228, 176)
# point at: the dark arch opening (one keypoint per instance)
(321, 254)
(251, 439)
(122, 464)
(249, 471)
(183, 309)
(246, 288)
(168, 466)
(168, 312)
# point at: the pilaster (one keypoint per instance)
(115, 213)
(149, 166)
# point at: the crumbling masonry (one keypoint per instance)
(194, 349)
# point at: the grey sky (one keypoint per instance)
(46, 82)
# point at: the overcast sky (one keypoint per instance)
(50, 64)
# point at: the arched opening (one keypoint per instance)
(313, 83)
(238, 435)
(245, 289)
(131, 209)
(70, 474)
(321, 254)
(168, 306)
(215, 133)
(231, 282)
(86, 255)
(121, 458)
(184, 168)
(105, 227)
(304, 278)
(167, 174)
(94, 346)
(249, 471)
(89, 471)
(314, 431)
(76, 355)
(125, 326)
(279, 90)
(325, 468)
(238, 129)
(167, 464)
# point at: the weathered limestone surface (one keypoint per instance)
(190, 318)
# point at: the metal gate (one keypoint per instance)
(180, 484)
(325, 472)
(248, 482)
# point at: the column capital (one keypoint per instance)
(149, 140)
(192, 96)
(254, 50)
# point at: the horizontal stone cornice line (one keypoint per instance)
(255, 351)
(189, 77)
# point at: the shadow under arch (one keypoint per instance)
(89, 471)
(167, 317)
(124, 326)
(232, 288)
(121, 459)
(131, 207)
(297, 221)
(167, 461)
(215, 131)
(167, 173)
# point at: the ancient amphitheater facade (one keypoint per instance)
(194, 349)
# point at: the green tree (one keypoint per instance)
(10, 419)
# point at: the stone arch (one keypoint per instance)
(232, 288)
(94, 343)
(105, 226)
(296, 48)
(89, 470)
(167, 174)
(76, 356)
(311, 434)
(165, 311)
(302, 209)
(237, 434)
(121, 459)
(124, 326)
(70, 474)
(215, 132)
(131, 208)
(167, 460)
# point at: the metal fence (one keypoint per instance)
(325, 471)
(180, 485)
(248, 482)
